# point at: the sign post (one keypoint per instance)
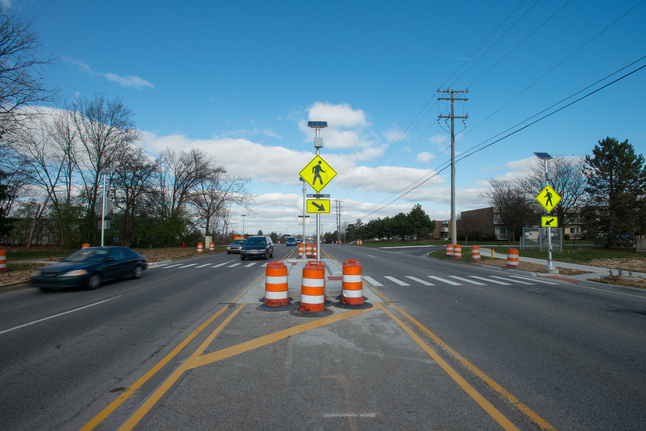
(548, 198)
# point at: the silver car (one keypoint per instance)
(235, 246)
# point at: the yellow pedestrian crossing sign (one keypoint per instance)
(548, 198)
(317, 173)
(550, 221)
(318, 206)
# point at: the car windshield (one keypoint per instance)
(255, 241)
(87, 255)
(238, 241)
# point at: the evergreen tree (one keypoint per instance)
(616, 179)
(420, 222)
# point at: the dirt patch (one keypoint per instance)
(161, 255)
(636, 264)
(639, 282)
(534, 267)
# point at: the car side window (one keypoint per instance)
(116, 253)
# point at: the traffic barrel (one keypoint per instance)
(360, 242)
(86, 245)
(276, 296)
(352, 293)
(315, 254)
(475, 253)
(300, 250)
(312, 303)
(449, 250)
(512, 258)
(211, 247)
(457, 251)
(199, 247)
(308, 250)
(3, 261)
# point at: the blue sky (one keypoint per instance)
(241, 79)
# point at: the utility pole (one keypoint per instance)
(338, 220)
(452, 117)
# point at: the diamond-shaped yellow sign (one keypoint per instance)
(548, 198)
(317, 173)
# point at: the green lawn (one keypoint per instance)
(571, 255)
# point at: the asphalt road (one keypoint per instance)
(573, 355)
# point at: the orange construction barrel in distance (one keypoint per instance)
(352, 293)
(199, 247)
(475, 253)
(314, 252)
(3, 261)
(86, 245)
(312, 303)
(212, 247)
(512, 258)
(457, 251)
(449, 250)
(300, 250)
(308, 250)
(276, 296)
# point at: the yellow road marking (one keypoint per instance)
(538, 420)
(134, 419)
(491, 410)
(128, 392)
(272, 338)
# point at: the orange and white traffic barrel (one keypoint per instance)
(199, 247)
(315, 254)
(308, 250)
(360, 242)
(457, 251)
(449, 250)
(212, 247)
(86, 245)
(352, 293)
(512, 258)
(276, 296)
(3, 261)
(312, 303)
(300, 250)
(475, 253)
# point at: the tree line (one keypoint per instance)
(416, 224)
(604, 193)
(53, 163)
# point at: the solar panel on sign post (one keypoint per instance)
(317, 124)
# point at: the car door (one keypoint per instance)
(118, 266)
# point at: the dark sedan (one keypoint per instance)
(89, 267)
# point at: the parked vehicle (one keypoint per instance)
(235, 246)
(257, 246)
(89, 267)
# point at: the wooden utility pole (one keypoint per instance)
(452, 117)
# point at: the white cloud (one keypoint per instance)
(124, 81)
(246, 132)
(425, 157)
(338, 116)
(394, 135)
(438, 139)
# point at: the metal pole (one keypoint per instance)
(103, 213)
(453, 223)
(243, 216)
(550, 264)
(318, 216)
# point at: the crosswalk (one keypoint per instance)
(390, 280)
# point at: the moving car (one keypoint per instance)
(235, 246)
(89, 267)
(257, 246)
(291, 241)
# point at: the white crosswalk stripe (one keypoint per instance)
(251, 264)
(537, 280)
(202, 266)
(186, 266)
(394, 280)
(372, 281)
(515, 281)
(234, 265)
(466, 280)
(453, 283)
(419, 280)
(489, 280)
(171, 266)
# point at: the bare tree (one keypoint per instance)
(132, 180)
(216, 192)
(470, 224)
(513, 205)
(21, 82)
(569, 182)
(104, 128)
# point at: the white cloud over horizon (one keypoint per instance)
(125, 81)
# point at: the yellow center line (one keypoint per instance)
(491, 410)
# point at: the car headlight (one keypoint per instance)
(75, 273)
(36, 273)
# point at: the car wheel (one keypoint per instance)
(241, 257)
(272, 254)
(138, 272)
(93, 282)
(228, 252)
(266, 256)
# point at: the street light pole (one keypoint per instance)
(104, 172)
(243, 216)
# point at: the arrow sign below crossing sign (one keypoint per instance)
(318, 206)
(549, 221)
